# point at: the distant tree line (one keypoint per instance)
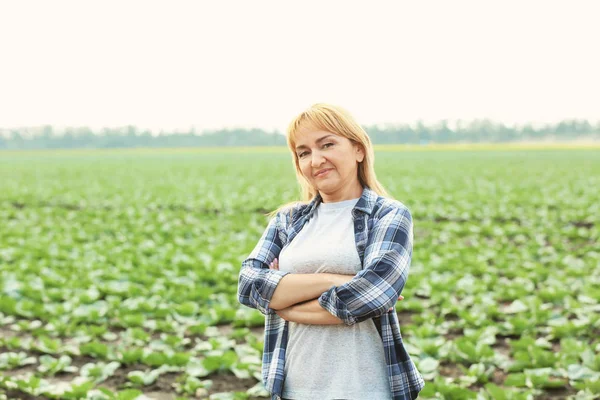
(477, 131)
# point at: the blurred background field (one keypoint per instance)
(118, 269)
(142, 144)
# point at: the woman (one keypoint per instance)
(328, 271)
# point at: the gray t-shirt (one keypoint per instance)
(331, 361)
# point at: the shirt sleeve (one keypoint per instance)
(377, 286)
(257, 283)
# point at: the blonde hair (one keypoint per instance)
(337, 120)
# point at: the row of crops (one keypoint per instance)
(118, 271)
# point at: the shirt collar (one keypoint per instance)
(366, 203)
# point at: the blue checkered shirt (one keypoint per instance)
(383, 232)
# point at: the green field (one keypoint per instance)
(118, 270)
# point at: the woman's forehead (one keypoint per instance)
(311, 135)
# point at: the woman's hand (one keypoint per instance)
(346, 278)
(274, 264)
(286, 313)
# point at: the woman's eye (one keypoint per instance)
(304, 152)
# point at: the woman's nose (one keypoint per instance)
(317, 159)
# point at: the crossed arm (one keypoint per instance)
(300, 303)
(331, 298)
(295, 298)
(309, 313)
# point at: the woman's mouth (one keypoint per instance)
(321, 174)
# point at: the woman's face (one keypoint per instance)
(322, 150)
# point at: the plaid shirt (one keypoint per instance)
(383, 232)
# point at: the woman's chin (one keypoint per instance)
(325, 186)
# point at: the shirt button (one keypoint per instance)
(359, 226)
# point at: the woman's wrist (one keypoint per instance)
(338, 279)
(310, 313)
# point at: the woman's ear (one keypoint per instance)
(360, 154)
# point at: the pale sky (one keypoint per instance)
(175, 64)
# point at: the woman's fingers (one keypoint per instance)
(274, 264)
(400, 297)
